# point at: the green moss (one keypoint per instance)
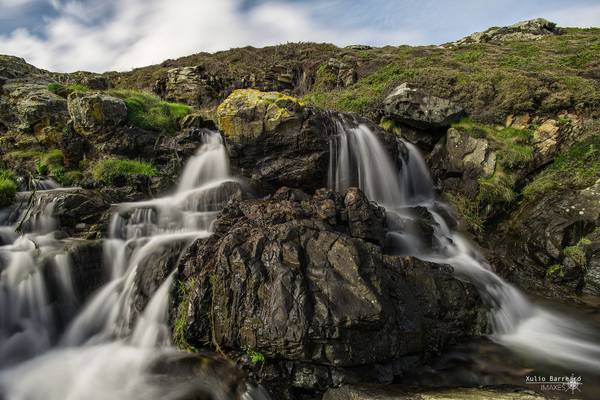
(325, 79)
(107, 171)
(65, 90)
(147, 111)
(184, 293)
(496, 189)
(576, 254)
(8, 190)
(577, 168)
(50, 163)
(254, 356)
(556, 270)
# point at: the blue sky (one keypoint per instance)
(68, 35)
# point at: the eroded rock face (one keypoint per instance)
(418, 109)
(551, 244)
(96, 113)
(304, 279)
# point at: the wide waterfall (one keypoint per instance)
(359, 159)
(105, 350)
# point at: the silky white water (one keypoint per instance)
(105, 349)
(359, 159)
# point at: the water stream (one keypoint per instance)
(359, 159)
(106, 350)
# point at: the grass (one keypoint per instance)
(576, 168)
(109, 171)
(147, 111)
(65, 90)
(254, 356)
(468, 209)
(8, 187)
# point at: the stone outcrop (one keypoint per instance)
(95, 114)
(303, 279)
(533, 29)
(418, 109)
(552, 244)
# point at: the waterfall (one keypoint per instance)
(359, 159)
(108, 347)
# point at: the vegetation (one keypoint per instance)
(468, 209)
(65, 90)
(109, 171)
(147, 111)
(555, 271)
(8, 187)
(184, 289)
(576, 168)
(254, 356)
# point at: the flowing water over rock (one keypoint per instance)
(358, 159)
(111, 348)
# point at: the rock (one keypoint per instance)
(87, 266)
(550, 244)
(15, 68)
(418, 109)
(95, 113)
(292, 278)
(275, 140)
(64, 209)
(191, 85)
(31, 108)
(466, 152)
(394, 392)
(249, 113)
(546, 139)
(533, 29)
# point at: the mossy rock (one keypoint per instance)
(250, 112)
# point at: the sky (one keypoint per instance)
(101, 35)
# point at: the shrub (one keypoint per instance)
(109, 170)
(147, 111)
(8, 189)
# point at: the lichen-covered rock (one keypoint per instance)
(533, 29)
(293, 278)
(95, 113)
(249, 113)
(546, 139)
(30, 107)
(191, 85)
(418, 109)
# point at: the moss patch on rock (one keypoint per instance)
(8, 187)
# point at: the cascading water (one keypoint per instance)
(359, 159)
(106, 350)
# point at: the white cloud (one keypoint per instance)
(142, 32)
(582, 16)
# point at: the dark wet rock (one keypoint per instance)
(394, 392)
(551, 244)
(275, 140)
(88, 272)
(416, 108)
(95, 113)
(292, 278)
(77, 212)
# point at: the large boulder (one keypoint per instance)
(95, 113)
(303, 279)
(416, 108)
(31, 108)
(191, 85)
(275, 140)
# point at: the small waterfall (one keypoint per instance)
(358, 159)
(108, 350)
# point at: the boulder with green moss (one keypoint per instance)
(249, 113)
(95, 113)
